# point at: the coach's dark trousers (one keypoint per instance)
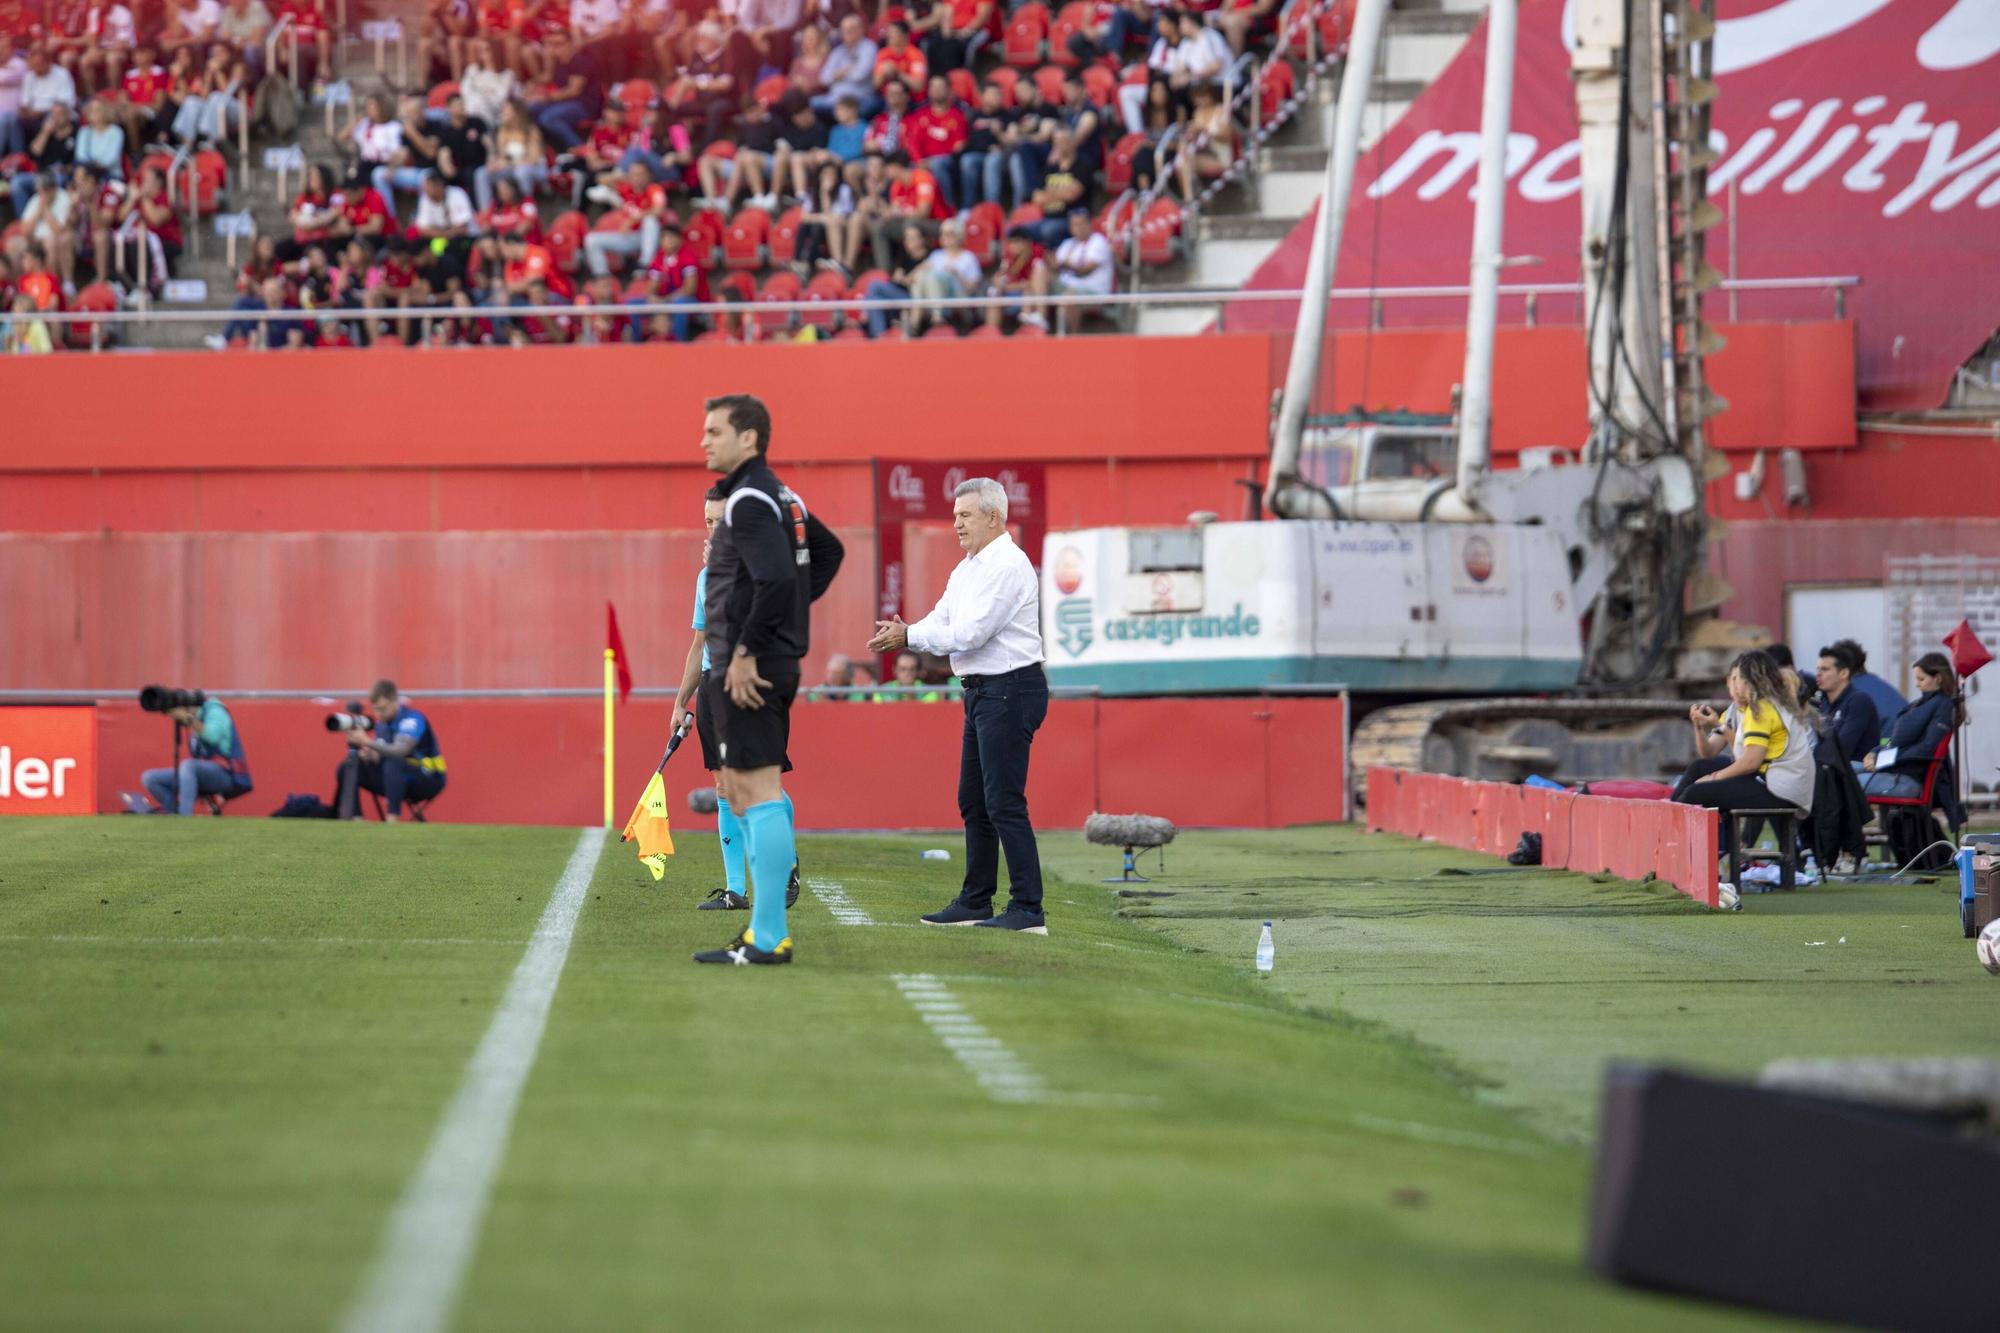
(1002, 714)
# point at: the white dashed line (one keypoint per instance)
(1003, 1074)
(834, 895)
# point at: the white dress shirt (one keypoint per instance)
(989, 620)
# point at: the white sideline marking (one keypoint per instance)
(834, 895)
(414, 1285)
(1457, 1138)
(998, 1070)
(240, 939)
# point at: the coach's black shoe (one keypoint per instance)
(1019, 919)
(742, 953)
(792, 887)
(956, 913)
(724, 900)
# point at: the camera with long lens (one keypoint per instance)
(354, 719)
(163, 699)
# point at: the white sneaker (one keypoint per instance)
(767, 202)
(1726, 897)
(1844, 865)
(1035, 320)
(602, 194)
(215, 342)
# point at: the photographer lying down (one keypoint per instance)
(214, 766)
(399, 762)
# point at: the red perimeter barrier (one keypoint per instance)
(1589, 834)
(1198, 762)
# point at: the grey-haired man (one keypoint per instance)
(989, 623)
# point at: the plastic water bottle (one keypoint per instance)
(1265, 953)
(936, 854)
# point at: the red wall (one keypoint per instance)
(1258, 763)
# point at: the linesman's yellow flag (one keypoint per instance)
(648, 826)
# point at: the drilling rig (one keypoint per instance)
(1499, 621)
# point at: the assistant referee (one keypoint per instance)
(989, 623)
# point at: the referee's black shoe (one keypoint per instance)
(740, 952)
(724, 900)
(1018, 919)
(792, 887)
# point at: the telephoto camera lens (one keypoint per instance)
(162, 698)
(353, 719)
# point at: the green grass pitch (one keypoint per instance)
(224, 1047)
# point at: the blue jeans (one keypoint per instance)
(662, 173)
(1002, 714)
(1026, 166)
(196, 777)
(979, 177)
(23, 188)
(391, 779)
(868, 104)
(644, 243)
(10, 132)
(388, 180)
(528, 177)
(243, 328)
(947, 179)
(878, 320)
(559, 120)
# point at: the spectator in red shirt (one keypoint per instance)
(899, 61)
(145, 110)
(632, 228)
(508, 215)
(681, 279)
(149, 217)
(364, 215)
(601, 152)
(934, 133)
(887, 131)
(313, 215)
(913, 200)
(1023, 270)
(954, 31)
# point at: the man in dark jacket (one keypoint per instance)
(1851, 718)
(768, 560)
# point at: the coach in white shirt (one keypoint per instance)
(989, 623)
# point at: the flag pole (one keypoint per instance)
(610, 694)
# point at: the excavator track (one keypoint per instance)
(1577, 740)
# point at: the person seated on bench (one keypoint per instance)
(1918, 735)
(400, 761)
(1771, 760)
(1851, 719)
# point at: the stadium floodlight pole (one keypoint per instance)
(1489, 216)
(1281, 495)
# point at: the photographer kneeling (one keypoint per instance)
(400, 761)
(215, 764)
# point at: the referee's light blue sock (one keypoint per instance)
(771, 855)
(731, 829)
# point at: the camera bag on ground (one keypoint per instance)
(303, 805)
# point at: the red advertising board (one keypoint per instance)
(48, 760)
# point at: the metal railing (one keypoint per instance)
(1378, 298)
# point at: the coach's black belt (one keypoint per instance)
(970, 681)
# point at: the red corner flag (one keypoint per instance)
(616, 643)
(1968, 654)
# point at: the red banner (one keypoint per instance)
(1862, 138)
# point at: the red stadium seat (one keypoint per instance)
(1101, 84)
(1009, 80)
(853, 333)
(964, 87)
(211, 171)
(1159, 232)
(743, 240)
(1118, 162)
(1027, 29)
(1031, 331)
(1049, 83)
(96, 299)
(828, 287)
(637, 96)
(983, 225)
(940, 331)
(441, 94)
(780, 286)
(1069, 22)
(1275, 88)
(858, 289)
(565, 237)
(984, 331)
(785, 236)
(1022, 216)
(742, 284)
(769, 90)
(703, 235)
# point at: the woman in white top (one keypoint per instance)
(1132, 97)
(374, 135)
(950, 270)
(485, 86)
(518, 155)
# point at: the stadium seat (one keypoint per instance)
(1031, 331)
(780, 286)
(784, 239)
(703, 235)
(983, 225)
(744, 239)
(96, 299)
(441, 94)
(1021, 43)
(858, 289)
(1275, 89)
(1101, 84)
(984, 331)
(1159, 232)
(769, 90)
(852, 333)
(1024, 215)
(828, 287)
(565, 237)
(1049, 83)
(1009, 80)
(964, 87)
(1069, 22)
(211, 171)
(742, 284)
(941, 331)
(1118, 162)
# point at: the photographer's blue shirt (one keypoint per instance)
(701, 611)
(412, 724)
(215, 739)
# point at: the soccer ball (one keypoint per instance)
(1988, 947)
(1727, 899)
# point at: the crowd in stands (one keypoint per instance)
(593, 154)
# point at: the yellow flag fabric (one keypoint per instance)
(648, 826)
